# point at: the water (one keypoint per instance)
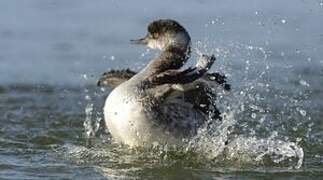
(51, 53)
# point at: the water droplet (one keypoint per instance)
(88, 109)
(213, 22)
(202, 105)
(112, 58)
(303, 83)
(253, 115)
(302, 112)
(250, 47)
(242, 107)
(256, 13)
(87, 97)
(283, 21)
(90, 130)
(261, 120)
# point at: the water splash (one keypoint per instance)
(255, 150)
(211, 139)
(92, 120)
(250, 115)
(245, 134)
(218, 142)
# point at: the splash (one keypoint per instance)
(211, 140)
(246, 132)
(254, 149)
(92, 120)
(251, 114)
(219, 143)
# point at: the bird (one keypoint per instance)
(163, 103)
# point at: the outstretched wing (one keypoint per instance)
(114, 78)
(175, 76)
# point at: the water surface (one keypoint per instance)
(52, 52)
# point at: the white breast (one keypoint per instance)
(131, 123)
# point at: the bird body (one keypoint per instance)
(161, 104)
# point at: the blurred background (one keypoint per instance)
(57, 41)
(53, 51)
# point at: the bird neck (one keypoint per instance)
(171, 57)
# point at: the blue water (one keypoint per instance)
(53, 51)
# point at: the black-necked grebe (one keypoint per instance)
(161, 104)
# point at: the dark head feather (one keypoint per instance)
(165, 26)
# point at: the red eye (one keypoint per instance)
(155, 35)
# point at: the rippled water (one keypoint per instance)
(51, 53)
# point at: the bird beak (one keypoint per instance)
(143, 41)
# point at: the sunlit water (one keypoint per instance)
(52, 52)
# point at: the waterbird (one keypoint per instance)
(163, 103)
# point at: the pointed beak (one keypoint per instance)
(143, 41)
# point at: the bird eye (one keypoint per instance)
(155, 35)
